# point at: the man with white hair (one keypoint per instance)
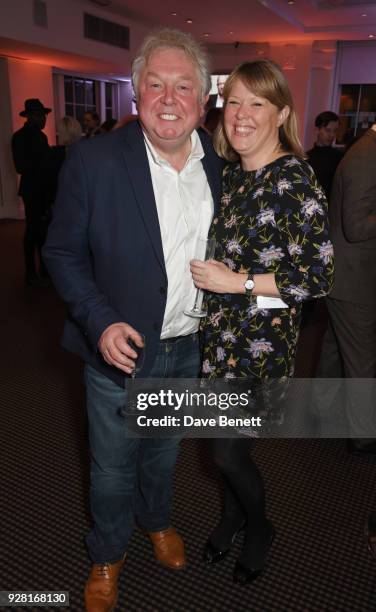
(118, 250)
(216, 100)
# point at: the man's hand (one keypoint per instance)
(115, 349)
(215, 276)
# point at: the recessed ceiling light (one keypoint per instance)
(371, 36)
(364, 15)
(189, 21)
(206, 34)
(231, 32)
(174, 14)
(290, 2)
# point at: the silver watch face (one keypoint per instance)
(249, 284)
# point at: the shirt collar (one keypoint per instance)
(197, 151)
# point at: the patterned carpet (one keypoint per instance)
(318, 495)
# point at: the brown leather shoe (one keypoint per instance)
(168, 548)
(101, 590)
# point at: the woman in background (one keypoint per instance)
(69, 131)
(272, 242)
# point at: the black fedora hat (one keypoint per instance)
(33, 105)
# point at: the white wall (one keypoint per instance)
(29, 80)
(297, 59)
(19, 80)
(319, 100)
(357, 62)
(65, 29)
(8, 194)
(356, 65)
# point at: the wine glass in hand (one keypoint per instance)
(205, 250)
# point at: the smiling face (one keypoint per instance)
(252, 126)
(170, 104)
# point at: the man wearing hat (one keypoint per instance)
(30, 151)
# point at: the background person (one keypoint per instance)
(91, 124)
(129, 206)
(324, 157)
(68, 132)
(349, 346)
(30, 151)
(272, 236)
(216, 100)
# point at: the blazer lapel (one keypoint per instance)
(137, 163)
(213, 166)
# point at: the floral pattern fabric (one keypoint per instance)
(270, 220)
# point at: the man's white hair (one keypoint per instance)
(167, 38)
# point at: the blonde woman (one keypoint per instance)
(272, 237)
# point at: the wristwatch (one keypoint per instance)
(249, 284)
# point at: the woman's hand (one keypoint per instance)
(215, 276)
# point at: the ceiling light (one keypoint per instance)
(231, 32)
(189, 21)
(206, 34)
(371, 36)
(290, 2)
(364, 15)
(174, 14)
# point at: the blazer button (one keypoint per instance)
(155, 326)
(162, 290)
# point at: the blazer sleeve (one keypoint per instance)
(67, 252)
(359, 201)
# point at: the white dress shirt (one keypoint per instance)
(185, 210)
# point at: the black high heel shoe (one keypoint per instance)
(246, 575)
(212, 554)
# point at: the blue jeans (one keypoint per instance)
(130, 477)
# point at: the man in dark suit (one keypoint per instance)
(30, 152)
(323, 157)
(129, 209)
(349, 347)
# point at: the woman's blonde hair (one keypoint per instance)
(69, 130)
(265, 79)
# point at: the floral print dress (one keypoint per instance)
(270, 220)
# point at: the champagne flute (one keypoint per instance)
(204, 251)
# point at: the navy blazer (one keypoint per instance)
(104, 249)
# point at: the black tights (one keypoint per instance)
(244, 500)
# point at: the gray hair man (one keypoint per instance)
(129, 210)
